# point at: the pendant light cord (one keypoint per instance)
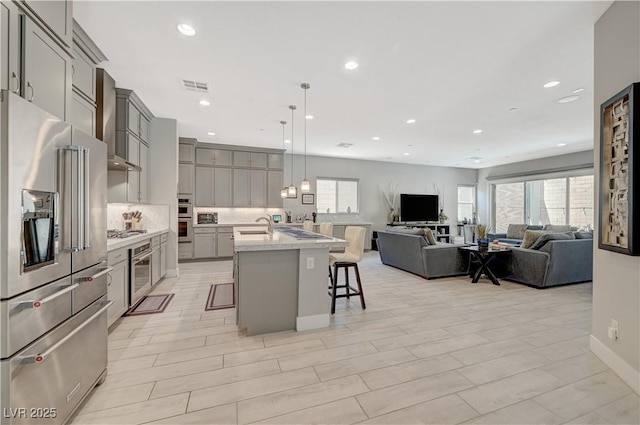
(306, 87)
(293, 108)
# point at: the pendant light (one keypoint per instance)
(305, 185)
(284, 190)
(292, 191)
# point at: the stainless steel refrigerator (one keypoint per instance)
(53, 269)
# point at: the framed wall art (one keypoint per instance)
(618, 219)
(308, 198)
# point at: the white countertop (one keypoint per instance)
(117, 243)
(278, 241)
(249, 224)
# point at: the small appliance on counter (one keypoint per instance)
(277, 218)
(208, 218)
(288, 215)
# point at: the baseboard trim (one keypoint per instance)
(172, 273)
(312, 322)
(623, 369)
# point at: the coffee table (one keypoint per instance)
(484, 257)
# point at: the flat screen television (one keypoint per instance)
(419, 207)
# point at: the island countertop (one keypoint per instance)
(278, 240)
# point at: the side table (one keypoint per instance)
(484, 257)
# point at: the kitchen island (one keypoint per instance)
(281, 278)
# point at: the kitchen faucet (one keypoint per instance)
(269, 220)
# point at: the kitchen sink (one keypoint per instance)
(254, 232)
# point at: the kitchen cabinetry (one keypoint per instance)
(10, 63)
(185, 178)
(224, 242)
(249, 188)
(57, 15)
(186, 151)
(249, 159)
(274, 186)
(155, 260)
(275, 161)
(204, 242)
(83, 114)
(117, 283)
(143, 175)
(213, 187)
(163, 255)
(217, 157)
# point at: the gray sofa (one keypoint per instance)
(559, 262)
(514, 234)
(412, 253)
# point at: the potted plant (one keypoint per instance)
(442, 216)
(474, 217)
(481, 233)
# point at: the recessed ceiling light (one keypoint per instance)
(406, 154)
(551, 84)
(513, 109)
(375, 138)
(287, 141)
(478, 131)
(411, 121)
(116, 163)
(211, 133)
(308, 117)
(578, 90)
(568, 99)
(476, 160)
(204, 102)
(351, 65)
(187, 30)
(561, 144)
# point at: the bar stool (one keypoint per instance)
(352, 255)
(308, 225)
(326, 229)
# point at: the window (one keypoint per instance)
(466, 202)
(337, 195)
(566, 200)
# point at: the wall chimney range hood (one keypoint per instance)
(106, 123)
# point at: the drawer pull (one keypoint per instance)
(39, 303)
(33, 92)
(17, 81)
(95, 276)
(41, 357)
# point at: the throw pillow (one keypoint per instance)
(544, 239)
(405, 230)
(557, 228)
(583, 235)
(429, 235)
(530, 236)
(516, 231)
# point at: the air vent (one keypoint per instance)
(344, 145)
(195, 86)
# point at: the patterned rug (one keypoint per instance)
(221, 295)
(150, 304)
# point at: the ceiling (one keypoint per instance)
(454, 67)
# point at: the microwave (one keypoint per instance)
(208, 218)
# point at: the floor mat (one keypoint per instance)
(221, 295)
(150, 304)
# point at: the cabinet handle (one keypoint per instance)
(33, 92)
(73, 70)
(17, 81)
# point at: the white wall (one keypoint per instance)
(616, 277)
(536, 166)
(163, 180)
(373, 177)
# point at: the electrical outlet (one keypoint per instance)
(311, 262)
(613, 331)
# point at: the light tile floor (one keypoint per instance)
(439, 351)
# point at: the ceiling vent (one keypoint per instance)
(344, 145)
(195, 86)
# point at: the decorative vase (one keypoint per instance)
(483, 244)
(390, 216)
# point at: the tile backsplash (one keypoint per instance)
(153, 216)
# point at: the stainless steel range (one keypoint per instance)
(53, 271)
(122, 234)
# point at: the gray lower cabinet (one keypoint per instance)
(83, 114)
(204, 245)
(155, 260)
(47, 71)
(117, 284)
(185, 178)
(163, 259)
(224, 244)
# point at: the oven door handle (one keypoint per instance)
(39, 358)
(39, 303)
(144, 257)
(95, 276)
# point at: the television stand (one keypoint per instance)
(442, 232)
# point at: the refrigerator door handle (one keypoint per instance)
(86, 230)
(39, 303)
(39, 358)
(81, 230)
(95, 276)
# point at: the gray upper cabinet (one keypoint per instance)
(249, 159)
(275, 161)
(47, 71)
(185, 178)
(133, 119)
(217, 157)
(56, 15)
(204, 187)
(222, 190)
(249, 188)
(144, 129)
(186, 153)
(258, 193)
(83, 114)
(275, 182)
(143, 196)
(84, 73)
(10, 49)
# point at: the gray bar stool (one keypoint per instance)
(351, 257)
